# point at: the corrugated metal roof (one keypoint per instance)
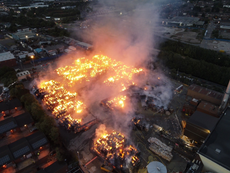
(4, 159)
(8, 126)
(21, 151)
(6, 56)
(39, 143)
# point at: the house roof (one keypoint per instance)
(216, 147)
(8, 105)
(7, 124)
(23, 119)
(20, 147)
(5, 155)
(6, 56)
(203, 120)
(206, 91)
(37, 140)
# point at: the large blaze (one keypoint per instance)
(85, 69)
(58, 100)
(113, 147)
(64, 104)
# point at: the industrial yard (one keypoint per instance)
(147, 121)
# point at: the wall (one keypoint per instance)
(9, 63)
(212, 166)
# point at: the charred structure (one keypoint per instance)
(115, 149)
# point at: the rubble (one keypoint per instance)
(160, 148)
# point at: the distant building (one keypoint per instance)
(33, 6)
(67, 7)
(202, 93)
(23, 75)
(7, 59)
(208, 108)
(183, 21)
(215, 152)
(23, 34)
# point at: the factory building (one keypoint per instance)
(208, 108)
(183, 21)
(215, 152)
(24, 34)
(205, 94)
(199, 126)
(7, 59)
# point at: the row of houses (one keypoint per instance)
(18, 140)
(23, 149)
(13, 124)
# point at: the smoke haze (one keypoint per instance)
(127, 36)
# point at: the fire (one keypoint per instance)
(86, 69)
(117, 102)
(60, 101)
(113, 146)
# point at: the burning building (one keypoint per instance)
(114, 148)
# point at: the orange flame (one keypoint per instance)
(86, 69)
(60, 101)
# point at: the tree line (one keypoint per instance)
(197, 53)
(198, 68)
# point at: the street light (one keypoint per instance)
(32, 57)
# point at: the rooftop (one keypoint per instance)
(216, 146)
(5, 155)
(203, 120)
(209, 108)
(37, 140)
(206, 91)
(19, 148)
(23, 119)
(7, 125)
(6, 56)
(8, 105)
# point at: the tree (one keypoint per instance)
(45, 125)
(28, 99)
(54, 134)
(18, 90)
(7, 75)
(59, 154)
(37, 112)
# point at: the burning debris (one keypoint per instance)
(59, 101)
(86, 69)
(160, 148)
(114, 148)
(115, 103)
(140, 124)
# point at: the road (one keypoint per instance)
(210, 28)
